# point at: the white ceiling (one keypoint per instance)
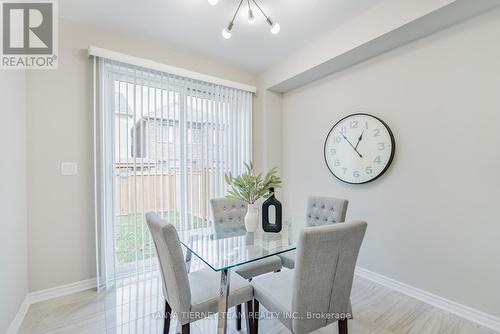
(195, 25)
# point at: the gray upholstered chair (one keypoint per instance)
(317, 292)
(320, 211)
(229, 215)
(194, 295)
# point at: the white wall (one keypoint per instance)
(60, 209)
(13, 235)
(433, 218)
(379, 20)
(267, 129)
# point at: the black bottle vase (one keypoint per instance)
(267, 226)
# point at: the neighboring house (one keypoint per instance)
(148, 143)
(158, 140)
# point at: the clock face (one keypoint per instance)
(359, 148)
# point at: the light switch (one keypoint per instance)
(69, 168)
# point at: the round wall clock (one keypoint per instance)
(359, 148)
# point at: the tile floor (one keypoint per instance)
(135, 305)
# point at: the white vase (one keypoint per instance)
(252, 218)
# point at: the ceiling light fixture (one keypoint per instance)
(226, 32)
(251, 16)
(213, 2)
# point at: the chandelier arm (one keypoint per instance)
(256, 4)
(237, 10)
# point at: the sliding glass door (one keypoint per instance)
(166, 143)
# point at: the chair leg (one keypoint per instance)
(185, 329)
(256, 316)
(168, 311)
(342, 326)
(249, 317)
(238, 317)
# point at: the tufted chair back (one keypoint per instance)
(325, 210)
(229, 213)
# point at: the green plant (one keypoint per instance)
(249, 187)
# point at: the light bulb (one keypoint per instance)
(226, 33)
(213, 2)
(251, 17)
(275, 28)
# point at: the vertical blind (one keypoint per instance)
(163, 143)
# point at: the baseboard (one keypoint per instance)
(466, 312)
(18, 319)
(62, 290)
(46, 294)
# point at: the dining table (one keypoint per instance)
(223, 247)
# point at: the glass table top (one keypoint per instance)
(225, 246)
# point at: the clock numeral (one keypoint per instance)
(338, 139)
(343, 130)
(344, 170)
(355, 173)
(377, 160)
(336, 162)
(333, 151)
(381, 146)
(354, 124)
(369, 170)
(377, 132)
(366, 125)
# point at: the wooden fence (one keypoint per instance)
(160, 191)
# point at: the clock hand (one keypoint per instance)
(359, 139)
(347, 140)
(354, 148)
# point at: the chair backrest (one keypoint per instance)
(173, 268)
(228, 211)
(325, 210)
(324, 271)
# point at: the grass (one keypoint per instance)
(133, 241)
